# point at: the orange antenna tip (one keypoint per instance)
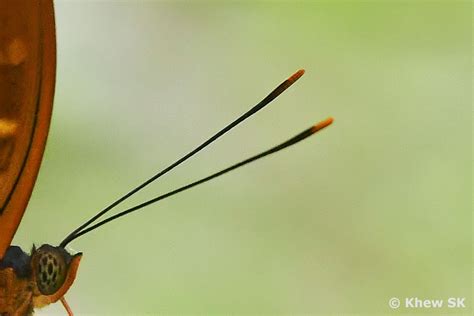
(322, 124)
(297, 75)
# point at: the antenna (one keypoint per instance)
(299, 137)
(269, 98)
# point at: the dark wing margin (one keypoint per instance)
(27, 79)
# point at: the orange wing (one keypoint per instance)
(27, 76)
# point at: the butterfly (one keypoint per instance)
(27, 81)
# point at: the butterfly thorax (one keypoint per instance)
(36, 280)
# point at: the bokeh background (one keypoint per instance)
(376, 206)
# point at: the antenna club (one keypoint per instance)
(322, 124)
(297, 75)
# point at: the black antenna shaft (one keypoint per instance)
(305, 134)
(269, 98)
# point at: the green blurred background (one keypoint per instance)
(376, 206)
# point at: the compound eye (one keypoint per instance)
(50, 272)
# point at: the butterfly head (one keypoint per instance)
(54, 271)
